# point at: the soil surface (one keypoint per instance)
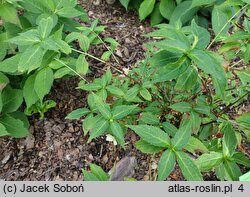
(57, 148)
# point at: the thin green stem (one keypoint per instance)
(226, 26)
(87, 54)
(71, 69)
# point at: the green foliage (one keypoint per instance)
(176, 99)
(36, 48)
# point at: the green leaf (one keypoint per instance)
(167, 8)
(121, 111)
(149, 118)
(156, 16)
(10, 65)
(27, 38)
(245, 177)
(3, 81)
(184, 12)
(102, 107)
(194, 145)
(240, 158)
(188, 168)
(162, 58)
(125, 3)
(202, 35)
(196, 121)
(208, 161)
(99, 128)
(31, 58)
(232, 170)
(63, 46)
(181, 107)
(173, 46)
(45, 27)
(14, 127)
(132, 93)
(220, 22)
(146, 94)
(115, 91)
(82, 66)
(88, 123)
(182, 136)
(187, 80)
(43, 82)
(214, 68)
(146, 8)
(152, 135)
(244, 120)
(78, 113)
(166, 165)
(3, 131)
(147, 148)
(84, 42)
(29, 93)
(169, 128)
(98, 172)
(196, 3)
(116, 129)
(8, 13)
(69, 12)
(88, 176)
(11, 99)
(229, 140)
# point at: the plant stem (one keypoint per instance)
(243, 8)
(71, 69)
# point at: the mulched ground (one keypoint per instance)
(57, 149)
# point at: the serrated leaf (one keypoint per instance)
(187, 80)
(116, 129)
(102, 107)
(214, 68)
(122, 111)
(145, 94)
(229, 140)
(188, 168)
(99, 128)
(232, 170)
(115, 90)
(166, 165)
(182, 136)
(181, 107)
(147, 148)
(152, 135)
(240, 158)
(43, 82)
(132, 93)
(208, 161)
(194, 145)
(78, 113)
(169, 128)
(149, 118)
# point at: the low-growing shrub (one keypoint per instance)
(39, 43)
(176, 101)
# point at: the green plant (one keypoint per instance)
(184, 11)
(177, 101)
(40, 42)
